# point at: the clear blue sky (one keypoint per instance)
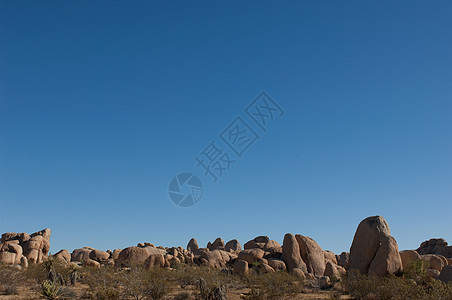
(102, 103)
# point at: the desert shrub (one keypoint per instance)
(255, 293)
(279, 285)
(40, 272)
(68, 294)
(156, 287)
(10, 290)
(108, 293)
(141, 284)
(182, 296)
(35, 272)
(211, 290)
(10, 276)
(416, 270)
(52, 291)
(99, 279)
(392, 287)
(184, 278)
(212, 283)
(190, 275)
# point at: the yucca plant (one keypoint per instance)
(51, 291)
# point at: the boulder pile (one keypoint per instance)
(373, 251)
(23, 248)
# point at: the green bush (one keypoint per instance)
(416, 270)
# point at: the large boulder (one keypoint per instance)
(277, 264)
(330, 256)
(343, 259)
(409, 257)
(312, 254)
(91, 263)
(331, 270)
(81, 255)
(271, 244)
(262, 242)
(99, 256)
(372, 234)
(446, 274)
(154, 261)
(233, 245)
(387, 259)
(291, 254)
(63, 256)
(435, 262)
(258, 242)
(134, 256)
(216, 258)
(10, 253)
(115, 254)
(192, 245)
(240, 267)
(251, 255)
(217, 244)
(265, 268)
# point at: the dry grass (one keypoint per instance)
(394, 287)
(193, 282)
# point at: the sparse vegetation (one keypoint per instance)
(206, 283)
(279, 285)
(52, 291)
(396, 287)
(10, 290)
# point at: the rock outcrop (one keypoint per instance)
(134, 256)
(240, 267)
(374, 250)
(34, 247)
(312, 254)
(291, 254)
(435, 246)
(192, 245)
(233, 245)
(218, 244)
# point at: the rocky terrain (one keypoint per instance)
(374, 252)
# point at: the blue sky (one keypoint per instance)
(102, 103)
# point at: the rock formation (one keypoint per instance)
(435, 246)
(374, 250)
(34, 248)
